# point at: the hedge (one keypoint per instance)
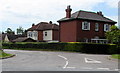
(71, 46)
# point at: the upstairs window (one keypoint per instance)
(106, 27)
(45, 33)
(96, 27)
(85, 25)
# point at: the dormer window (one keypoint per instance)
(85, 25)
(96, 27)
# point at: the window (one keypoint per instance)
(106, 27)
(85, 25)
(35, 33)
(96, 27)
(45, 33)
(29, 34)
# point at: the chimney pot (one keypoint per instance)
(50, 22)
(33, 24)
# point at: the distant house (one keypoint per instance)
(44, 31)
(84, 26)
(10, 37)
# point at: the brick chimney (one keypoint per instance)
(68, 12)
(100, 13)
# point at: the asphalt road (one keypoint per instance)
(57, 61)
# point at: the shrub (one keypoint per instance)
(70, 46)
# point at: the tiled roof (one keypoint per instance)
(22, 39)
(44, 26)
(87, 15)
(11, 36)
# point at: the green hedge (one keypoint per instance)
(74, 47)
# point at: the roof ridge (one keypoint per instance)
(37, 26)
(88, 11)
(78, 14)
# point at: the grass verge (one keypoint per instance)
(4, 55)
(116, 56)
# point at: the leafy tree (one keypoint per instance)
(113, 35)
(9, 31)
(20, 30)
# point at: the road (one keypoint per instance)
(57, 61)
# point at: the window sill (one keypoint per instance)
(85, 29)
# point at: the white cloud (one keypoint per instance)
(112, 3)
(22, 12)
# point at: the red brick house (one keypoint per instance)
(84, 26)
(44, 31)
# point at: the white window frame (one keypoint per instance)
(106, 27)
(29, 34)
(96, 27)
(85, 25)
(46, 34)
(35, 34)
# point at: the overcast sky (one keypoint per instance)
(15, 13)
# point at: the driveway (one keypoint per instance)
(57, 61)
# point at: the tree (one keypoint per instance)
(20, 30)
(113, 35)
(9, 31)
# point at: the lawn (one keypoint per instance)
(4, 55)
(116, 56)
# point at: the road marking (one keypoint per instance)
(66, 64)
(62, 57)
(88, 60)
(104, 68)
(70, 67)
(87, 68)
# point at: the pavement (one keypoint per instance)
(57, 61)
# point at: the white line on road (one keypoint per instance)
(65, 66)
(70, 67)
(62, 57)
(103, 68)
(87, 68)
(88, 60)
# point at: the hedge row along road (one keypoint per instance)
(57, 61)
(92, 48)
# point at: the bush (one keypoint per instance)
(75, 47)
(71, 46)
